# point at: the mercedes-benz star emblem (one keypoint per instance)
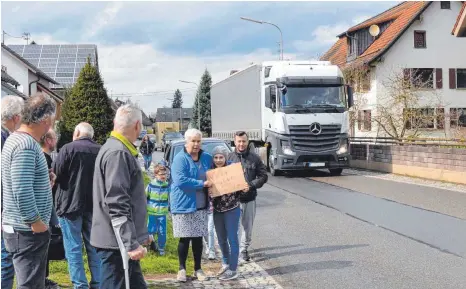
(315, 128)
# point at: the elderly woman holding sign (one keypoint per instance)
(189, 201)
(226, 219)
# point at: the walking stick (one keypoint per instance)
(117, 223)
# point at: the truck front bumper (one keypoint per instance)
(305, 161)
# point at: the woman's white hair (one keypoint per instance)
(126, 116)
(12, 105)
(84, 129)
(192, 132)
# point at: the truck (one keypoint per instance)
(161, 128)
(295, 111)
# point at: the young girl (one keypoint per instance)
(226, 219)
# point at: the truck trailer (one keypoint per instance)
(297, 110)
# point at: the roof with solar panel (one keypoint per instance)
(63, 62)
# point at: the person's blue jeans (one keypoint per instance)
(226, 226)
(74, 233)
(210, 239)
(113, 274)
(147, 161)
(8, 270)
(157, 226)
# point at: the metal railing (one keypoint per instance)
(453, 142)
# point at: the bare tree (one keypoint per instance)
(409, 104)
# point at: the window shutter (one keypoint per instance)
(438, 78)
(368, 121)
(407, 76)
(452, 78)
(359, 120)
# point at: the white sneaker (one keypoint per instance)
(181, 276)
(212, 256)
(222, 270)
(200, 275)
(229, 275)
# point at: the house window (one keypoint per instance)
(444, 4)
(457, 117)
(364, 120)
(420, 39)
(425, 118)
(461, 78)
(422, 78)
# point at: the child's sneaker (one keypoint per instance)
(222, 270)
(181, 276)
(212, 256)
(200, 275)
(162, 252)
(229, 275)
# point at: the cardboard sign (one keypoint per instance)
(227, 180)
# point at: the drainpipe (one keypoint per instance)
(30, 84)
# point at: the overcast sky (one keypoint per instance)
(149, 46)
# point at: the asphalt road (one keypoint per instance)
(331, 233)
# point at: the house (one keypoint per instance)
(414, 40)
(167, 114)
(22, 78)
(146, 121)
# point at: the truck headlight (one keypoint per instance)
(286, 148)
(343, 146)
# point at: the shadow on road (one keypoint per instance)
(271, 248)
(304, 251)
(309, 266)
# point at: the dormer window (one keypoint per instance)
(445, 5)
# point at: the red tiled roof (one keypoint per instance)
(463, 8)
(402, 15)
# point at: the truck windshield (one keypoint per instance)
(306, 96)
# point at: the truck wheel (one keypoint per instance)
(336, 172)
(272, 170)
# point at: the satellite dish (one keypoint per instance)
(374, 30)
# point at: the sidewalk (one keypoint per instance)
(251, 275)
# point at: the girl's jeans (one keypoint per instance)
(226, 226)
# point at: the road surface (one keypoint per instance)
(355, 231)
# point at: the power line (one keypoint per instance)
(152, 93)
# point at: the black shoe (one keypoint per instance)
(246, 256)
(49, 284)
(153, 247)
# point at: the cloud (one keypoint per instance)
(104, 18)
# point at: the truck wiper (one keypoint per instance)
(299, 108)
(329, 106)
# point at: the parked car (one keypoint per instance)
(168, 137)
(208, 145)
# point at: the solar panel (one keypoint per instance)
(63, 63)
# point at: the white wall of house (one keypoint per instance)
(443, 50)
(33, 77)
(17, 70)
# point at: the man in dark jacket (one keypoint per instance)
(119, 195)
(256, 176)
(74, 167)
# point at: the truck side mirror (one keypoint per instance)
(349, 90)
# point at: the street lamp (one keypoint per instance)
(198, 102)
(264, 22)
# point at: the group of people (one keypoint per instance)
(88, 186)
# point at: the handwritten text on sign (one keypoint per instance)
(227, 180)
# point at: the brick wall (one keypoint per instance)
(452, 159)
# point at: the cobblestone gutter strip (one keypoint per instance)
(251, 275)
(409, 180)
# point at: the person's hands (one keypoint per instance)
(148, 241)
(138, 254)
(211, 192)
(52, 178)
(39, 227)
(207, 184)
(246, 190)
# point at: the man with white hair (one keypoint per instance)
(119, 193)
(27, 193)
(11, 120)
(74, 167)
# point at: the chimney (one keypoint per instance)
(233, 71)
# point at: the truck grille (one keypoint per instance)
(302, 139)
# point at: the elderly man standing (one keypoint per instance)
(27, 193)
(11, 120)
(119, 193)
(74, 167)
